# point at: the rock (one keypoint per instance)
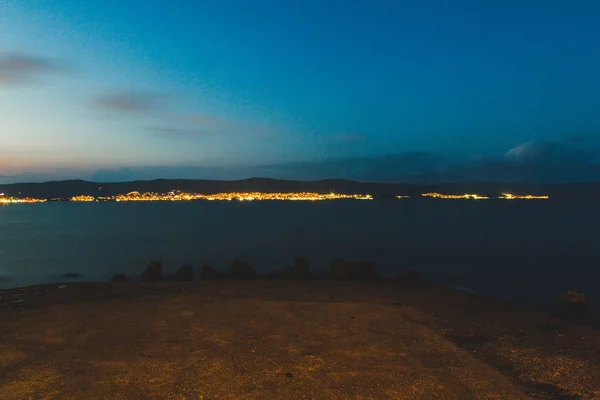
(287, 273)
(241, 270)
(363, 270)
(301, 269)
(153, 272)
(185, 273)
(354, 270)
(271, 276)
(298, 271)
(120, 278)
(208, 273)
(71, 275)
(573, 307)
(338, 269)
(574, 297)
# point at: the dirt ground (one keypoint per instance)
(285, 340)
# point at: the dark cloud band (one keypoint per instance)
(21, 67)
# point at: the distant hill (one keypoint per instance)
(67, 189)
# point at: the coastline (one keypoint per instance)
(519, 353)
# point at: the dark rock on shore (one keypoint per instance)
(573, 307)
(363, 270)
(288, 273)
(240, 270)
(153, 272)
(120, 278)
(301, 269)
(338, 269)
(208, 273)
(354, 270)
(185, 273)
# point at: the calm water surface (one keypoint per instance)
(528, 251)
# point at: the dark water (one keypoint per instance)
(528, 251)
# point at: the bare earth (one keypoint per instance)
(285, 340)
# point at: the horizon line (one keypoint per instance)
(308, 181)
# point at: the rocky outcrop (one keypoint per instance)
(354, 270)
(574, 298)
(208, 273)
(301, 269)
(287, 273)
(241, 270)
(338, 269)
(185, 273)
(153, 272)
(573, 307)
(120, 278)
(363, 270)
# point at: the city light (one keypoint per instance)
(83, 198)
(11, 200)
(509, 196)
(455, 196)
(470, 196)
(240, 196)
(177, 195)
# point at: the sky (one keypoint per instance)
(424, 90)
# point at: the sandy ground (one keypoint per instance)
(285, 340)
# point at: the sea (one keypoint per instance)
(528, 252)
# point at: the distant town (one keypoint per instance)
(177, 195)
(469, 196)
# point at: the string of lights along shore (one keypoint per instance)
(257, 196)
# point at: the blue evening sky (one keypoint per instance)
(182, 88)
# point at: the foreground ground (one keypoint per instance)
(285, 340)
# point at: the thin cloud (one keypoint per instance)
(132, 102)
(22, 67)
(210, 121)
(522, 151)
(529, 162)
(178, 133)
(410, 167)
(197, 125)
(551, 153)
